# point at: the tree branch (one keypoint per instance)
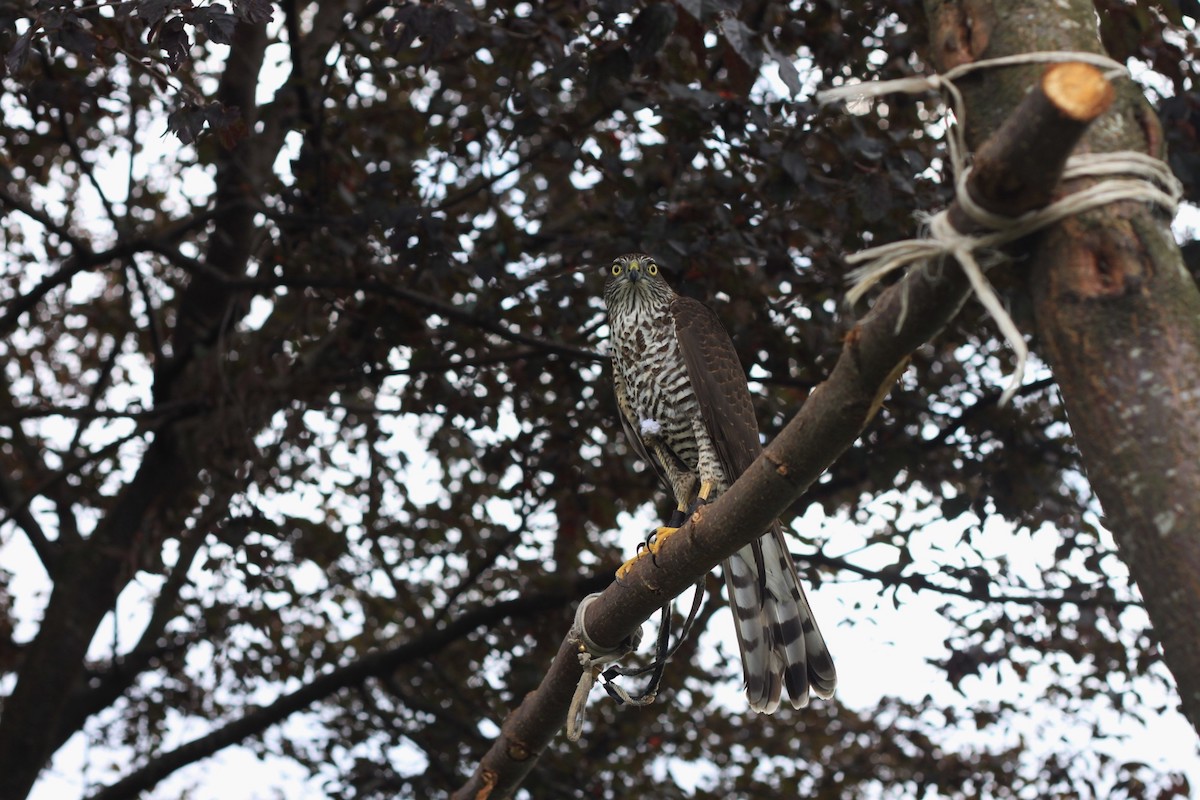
(43, 218)
(103, 688)
(873, 355)
(84, 258)
(103, 564)
(981, 594)
(13, 499)
(174, 410)
(375, 665)
(423, 301)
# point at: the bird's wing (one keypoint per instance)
(778, 636)
(719, 384)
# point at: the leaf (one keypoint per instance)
(795, 166)
(255, 12)
(741, 39)
(613, 67)
(74, 37)
(611, 8)
(787, 72)
(217, 23)
(173, 40)
(18, 54)
(227, 122)
(439, 31)
(400, 30)
(220, 26)
(434, 25)
(873, 196)
(186, 122)
(153, 11)
(650, 31)
(694, 8)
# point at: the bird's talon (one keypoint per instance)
(623, 570)
(657, 538)
(649, 547)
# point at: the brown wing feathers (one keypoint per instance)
(719, 383)
(778, 636)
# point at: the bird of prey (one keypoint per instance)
(687, 411)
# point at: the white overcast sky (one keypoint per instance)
(880, 649)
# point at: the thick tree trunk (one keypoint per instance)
(1118, 318)
(96, 570)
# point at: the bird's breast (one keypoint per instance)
(656, 383)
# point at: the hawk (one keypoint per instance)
(687, 411)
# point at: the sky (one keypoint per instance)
(886, 656)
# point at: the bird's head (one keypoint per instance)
(634, 279)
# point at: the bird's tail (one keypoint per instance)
(780, 642)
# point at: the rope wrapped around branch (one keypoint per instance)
(1144, 179)
(593, 658)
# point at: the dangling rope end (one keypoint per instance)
(592, 659)
(1018, 378)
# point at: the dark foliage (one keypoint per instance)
(321, 375)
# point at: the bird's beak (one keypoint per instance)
(635, 273)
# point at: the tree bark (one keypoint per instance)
(1118, 318)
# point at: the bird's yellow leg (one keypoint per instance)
(706, 488)
(651, 545)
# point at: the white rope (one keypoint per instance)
(1148, 180)
(916, 84)
(593, 659)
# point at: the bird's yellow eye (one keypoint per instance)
(652, 269)
(616, 269)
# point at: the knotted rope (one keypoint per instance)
(593, 658)
(1146, 179)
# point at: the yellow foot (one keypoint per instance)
(656, 539)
